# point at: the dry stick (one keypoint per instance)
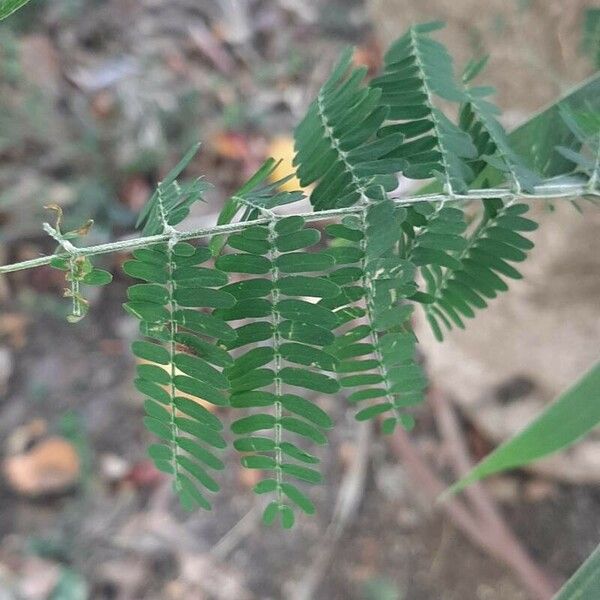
(473, 526)
(516, 556)
(348, 500)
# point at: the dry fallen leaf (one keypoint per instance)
(50, 467)
(248, 478)
(13, 327)
(282, 148)
(231, 145)
(25, 436)
(368, 55)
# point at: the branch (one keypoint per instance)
(483, 526)
(542, 192)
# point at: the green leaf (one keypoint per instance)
(258, 462)
(201, 431)
(302, 262)
(307, 355)
(293, 451)
(152, 352)
(270, 513)
(145, 271)
(296, 496)
(289, 225)
(197, 277)
(307, 409)
(373, 411)
(287, 516)
(243, 263)
(253, 423)
(258, 378)
(249, 288)
(301, 310)
(252, 399)
(154, 373)
(148, 292)
(251, 333)
(572, 415)
(205, 324)
(199, 389)
(257, 357)
(200, 453)
(585, 583)
(305, 332)
(300, 285)
(152, 390)
(199, 369)
(203, 297)
(210, 352)
(189, 494)
(302, 473)
(8, 7)
(97, 277)
(254, 444)
(196, 411)
(198, 473)
(309, 380)
(147, 311)
(304, 429)
(295, 241)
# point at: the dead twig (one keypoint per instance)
(480, 520)
(348, 501)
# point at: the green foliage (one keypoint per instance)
(336, 143)
(273, 314)
(418, 68)
(463, 274)
(283, 346)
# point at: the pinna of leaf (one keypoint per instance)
(275, 311)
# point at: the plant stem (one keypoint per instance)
(542, 192)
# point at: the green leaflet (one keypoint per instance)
(575, 412)
(171, 202)
(460, 278)
(416, 68)
(300, 285)
(380, 366)
(188, 363)
(335, 142)
(585, 583)
(293, 331)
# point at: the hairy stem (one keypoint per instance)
(542, 192)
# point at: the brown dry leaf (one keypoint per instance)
(25, 436)
(368, 55)
(282, 148)
(231, 145)
(248, 478)
(135, 192)
(48, 468)
(143, 474)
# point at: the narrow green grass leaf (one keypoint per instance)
(585, 583)
(573, 414)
